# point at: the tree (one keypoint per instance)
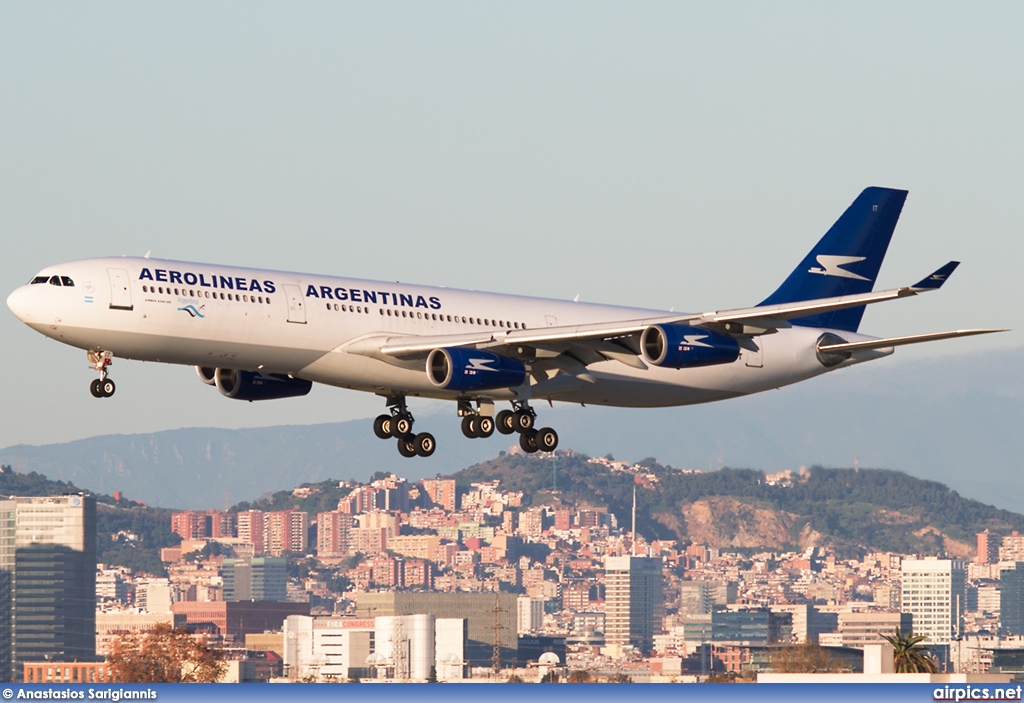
(579, 676)
(909, 656)
(620, 678)
(164, 655)
(805, 658)
(550, 677)
(432, 676)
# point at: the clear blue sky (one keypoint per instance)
(670, 154)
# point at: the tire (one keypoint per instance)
(522, 421)
(401, 425)
(96, 388)
(503, 422)
(527, 442)
(406, 448)
(382, 427)
(107, 387)
(546, 440)
(469, 426)
(424, 444)
(484, 426)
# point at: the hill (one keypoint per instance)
(128, 534)
(851, 509)
(950, 419)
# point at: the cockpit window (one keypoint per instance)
(66, 280)
(54, 280)
(39, 279)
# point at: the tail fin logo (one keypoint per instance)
(832, 266)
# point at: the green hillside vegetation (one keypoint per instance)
(127, 534)
(871, 509)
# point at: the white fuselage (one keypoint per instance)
(302, 324)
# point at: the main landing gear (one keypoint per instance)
(102, 387)
(398, 425)
(521, 419)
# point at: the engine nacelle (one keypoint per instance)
(253, 385)
(207, 374)
(684, 347)
(460, 369)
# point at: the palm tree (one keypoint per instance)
(909, 655)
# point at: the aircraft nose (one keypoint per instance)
(18, 302)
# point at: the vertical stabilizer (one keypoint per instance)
(846, 260)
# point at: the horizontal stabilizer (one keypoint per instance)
(935, 281)
(899, 341)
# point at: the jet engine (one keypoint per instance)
(461, 369)
(684, 347)
(253, 385)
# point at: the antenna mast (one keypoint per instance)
(632, 546)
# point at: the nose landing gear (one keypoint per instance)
(102, 387)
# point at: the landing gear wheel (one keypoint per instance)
(424, 444)
(469, 426)
(484, 426)
(503, 422)
(382, 426)
(527, 440)
(406, 448)
(107, 387)
(401, 425)
(522, 421)
(546, 440)
(96, 388)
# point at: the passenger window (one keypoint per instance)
(54, 280)
(67, 281)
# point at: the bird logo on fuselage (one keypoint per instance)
(192, 311)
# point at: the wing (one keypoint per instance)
(578, 346)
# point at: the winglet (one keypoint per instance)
(935, 281)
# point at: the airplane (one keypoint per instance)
(259, 334)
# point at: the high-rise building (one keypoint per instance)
(250, 530)
(860, 629)
(1011, 599)
(47, 581)
(286, 531)
(256, 579)
(935, 592)
(441, 492)
(699, 597)
(988, 548)
(529, 614)
(1012, 547)
(633, 600)
(332, 534)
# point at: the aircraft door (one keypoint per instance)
(296, 305)
(753, 358)
(120, 289)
